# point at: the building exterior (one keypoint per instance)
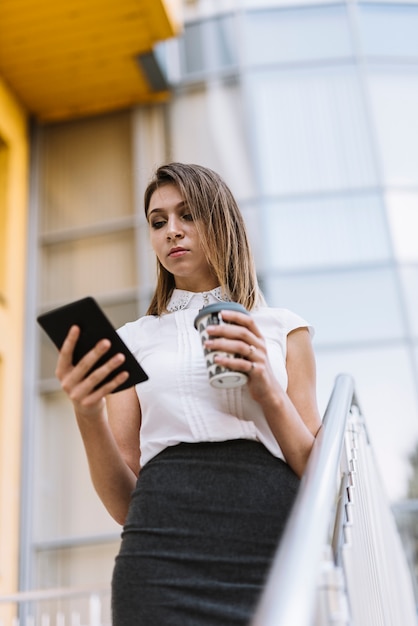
(13, 223)
(308, 112)
(57, 62)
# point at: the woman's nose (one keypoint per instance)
(174, 230)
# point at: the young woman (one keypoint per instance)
(202, 479)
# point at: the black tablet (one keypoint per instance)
(94, 326)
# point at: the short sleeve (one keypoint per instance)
(292, 321)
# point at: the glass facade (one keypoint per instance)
(328, 95)
(309, 113)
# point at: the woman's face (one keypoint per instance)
(176, 242)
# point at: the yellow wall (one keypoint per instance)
(13, 209)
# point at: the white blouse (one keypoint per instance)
(177, 402)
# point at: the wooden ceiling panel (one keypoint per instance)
(72, 57)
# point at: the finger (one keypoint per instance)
(246, 349)
(98, 394)
(70, 376)
(83, 389)
(96, 376)
(231, 331)
(241, 319)
(235, 330)
(65, 356)
(85, 365)
(239, 364)
(69, 342)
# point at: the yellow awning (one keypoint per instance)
(70, 58)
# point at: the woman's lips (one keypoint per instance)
(177, 252)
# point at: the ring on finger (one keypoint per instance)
(252, 350)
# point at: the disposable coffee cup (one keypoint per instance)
(219, 376)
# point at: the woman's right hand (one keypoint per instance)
(81, 387)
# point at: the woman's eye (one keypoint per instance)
(158, 224)
(188, 217)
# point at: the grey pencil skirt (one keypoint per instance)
(202, 528)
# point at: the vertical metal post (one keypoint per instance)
(95, 607)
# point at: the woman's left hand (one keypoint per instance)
(242, 337)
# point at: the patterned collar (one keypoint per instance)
(182, 299)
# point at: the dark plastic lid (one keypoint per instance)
(219, 306)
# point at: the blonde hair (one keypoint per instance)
(222, 231)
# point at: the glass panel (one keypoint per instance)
(345, 307)
(389, 30)
(66, 503)
(261, 4)
(329, 230)
(120, 313)
(47, 357)
(385, 384)
(416, 357)
(221, 142)
(403, 216)
(409, 277)
(80, 566)
(310, 130)
(286, 35)
(96, 266)
(194, 60)
(86, 173)
(251, 215)
(406, 515)
(220, 42)
(208, 45)
(394, 99)
(391, 2)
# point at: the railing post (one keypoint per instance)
(95, 607)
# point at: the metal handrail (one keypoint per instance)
(51, 594)
(289, 596)
(25, 605)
